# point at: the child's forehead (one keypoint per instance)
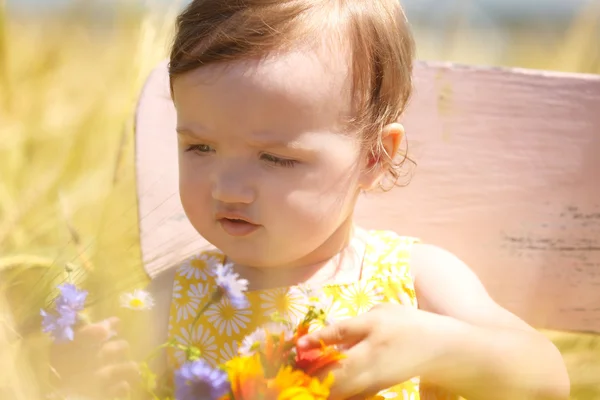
(310, 75)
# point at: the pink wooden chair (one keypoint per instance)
(508, 178)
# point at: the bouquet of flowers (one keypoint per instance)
(269, 365)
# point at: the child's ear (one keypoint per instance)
(376, 164)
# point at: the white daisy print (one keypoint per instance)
(184, 307)
(199, 292)
(177, 290)
(362, 295)
(376, 247)
(212, 257)
(416, 381)
(396, 271)
(228, 351)
(200, 338)
(194, 268)
(291, 305)
(406, 395)
(405, 299)
(305, 290)
(228, 319)
(188, 305)
(388, 394)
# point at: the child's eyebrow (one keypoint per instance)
(257, 142)
(276, 144)
(188, 132)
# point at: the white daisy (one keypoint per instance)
(333, 310)
(227, 318)
(362, 295)
(200, 338)
(291, 305)
(137, 300)
(254, 341)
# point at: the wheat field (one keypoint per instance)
(67, 196)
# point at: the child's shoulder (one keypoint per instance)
(390, 238)
(421, 256)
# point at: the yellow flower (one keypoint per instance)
(290, 384)
(248, 382)
(247, 378)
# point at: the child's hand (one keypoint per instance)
(95, 364)
(386, 346)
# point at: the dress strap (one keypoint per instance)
(388, 254)
(388, 259)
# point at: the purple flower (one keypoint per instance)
(71, 297)
(196, 380)
(231, 285)
(69, 303)
(59, 326)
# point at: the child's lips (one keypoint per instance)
(237, 227)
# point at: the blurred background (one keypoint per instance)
(70, 73)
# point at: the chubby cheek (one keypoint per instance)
(194, 192)
(320, 208)
(321, 200)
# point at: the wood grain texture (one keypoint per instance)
(508, 178)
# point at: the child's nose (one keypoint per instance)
(233, 186)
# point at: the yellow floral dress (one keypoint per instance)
(385, 277)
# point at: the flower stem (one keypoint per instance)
(215, 298)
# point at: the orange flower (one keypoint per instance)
(313, 361)
(301, 330)
(290, 384)
(247, 377)
(277, 351)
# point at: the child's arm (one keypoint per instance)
(493, 348)
(94, 364)
(461, 341)
(161, 289)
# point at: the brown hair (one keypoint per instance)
(381, 45)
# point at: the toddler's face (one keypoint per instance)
(266, 173)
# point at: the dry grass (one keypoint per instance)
(67, 94)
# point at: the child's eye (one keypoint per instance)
(283, 162)
(199, 148)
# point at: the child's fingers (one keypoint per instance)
(113, 374)
(346, 332)
(120, 390)
(351, 375)
(115, 351)
(93, 334)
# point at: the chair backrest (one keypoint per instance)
(508, 178)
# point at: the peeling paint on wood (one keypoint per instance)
(508, 178)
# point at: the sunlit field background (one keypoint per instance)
(68, 87)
